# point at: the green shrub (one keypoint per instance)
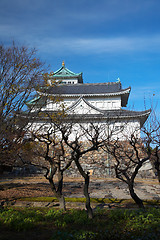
(53, 214)
(86, 235)
(16, 220)
(73, 224)
(20, 219)
(78, 217)
(62, 218)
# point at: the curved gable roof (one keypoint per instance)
(81, 99)
(65, 73)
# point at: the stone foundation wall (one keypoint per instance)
(101, 164)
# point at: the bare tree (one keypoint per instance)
(45, 150)
(151, 135)
(54, 154)
(20, 71)
(81, 139)
(155, 160)
(129, 155)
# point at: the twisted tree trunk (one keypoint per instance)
(57, 191)
(134, 196)
(85, 190)
(86, 194)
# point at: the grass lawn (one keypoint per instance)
(50, 224)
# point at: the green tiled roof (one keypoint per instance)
(65, 73)
(38, 101)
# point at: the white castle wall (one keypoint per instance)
(106, 103)
(65, 81)
(103, 103)
(121, 130)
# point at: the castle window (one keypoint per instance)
(118, 128)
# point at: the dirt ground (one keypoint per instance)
(12, 188)
(37, 186)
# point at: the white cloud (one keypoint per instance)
(100, 45)
(82, 46)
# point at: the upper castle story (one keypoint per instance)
(65, 76)
(103, 96)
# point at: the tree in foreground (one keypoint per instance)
(54, 160)
(155, 160)
(129, 155)
(151, 135)
(20, 72)
(44, 149)
(81, 138)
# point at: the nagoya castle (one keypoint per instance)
(86, 103)
(89, 102)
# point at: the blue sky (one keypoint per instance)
(105, 39)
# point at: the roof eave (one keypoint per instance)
(123, 92)
(124, 99)
(142, 116)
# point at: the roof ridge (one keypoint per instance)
(133, 111)
(67, 70)
(101, 83)
(84, 84)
